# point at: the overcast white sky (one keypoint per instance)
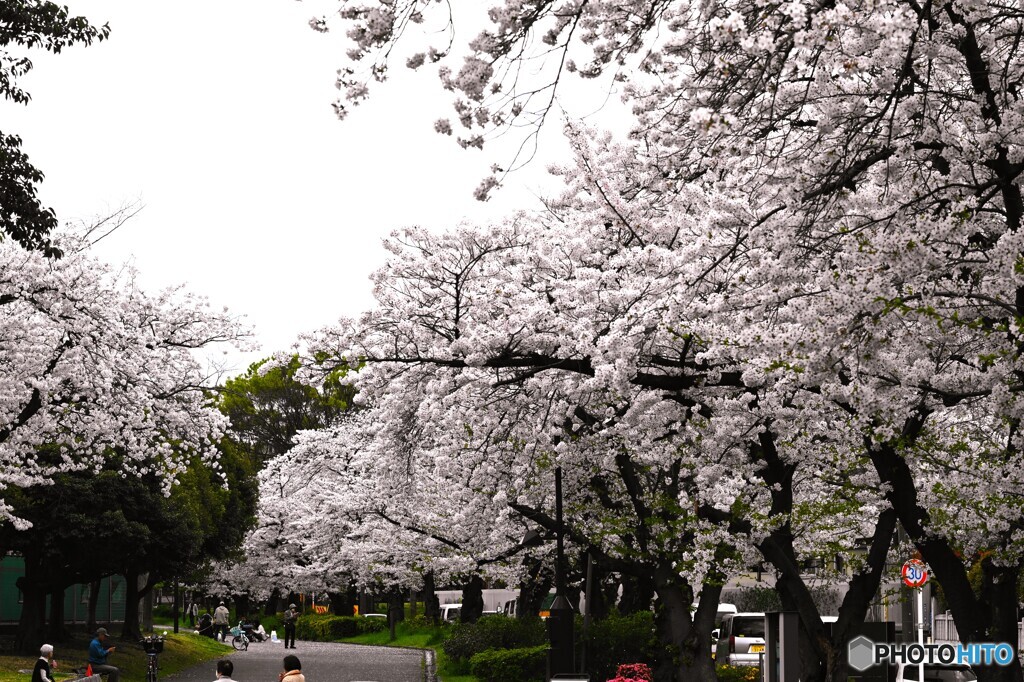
(216, 116)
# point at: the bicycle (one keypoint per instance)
(240, 640)
(152, 645)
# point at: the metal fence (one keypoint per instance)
(945, 630)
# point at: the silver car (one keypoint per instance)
(741, 639)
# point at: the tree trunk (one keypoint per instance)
(32, 625)
(396, 604)
(820, 654)
(637, 594)
(270, 608)
(431, 607)
(365, 602)
(597, 600)
(343, 603)
(242, 605)
(396, 610)
(687, 642)
(533, 590)
(130, 630)
(472, 600)
(94, 598)
(55, 631)
(176, 605)
(999, 597)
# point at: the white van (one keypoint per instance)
(450, 613)
(741, 639)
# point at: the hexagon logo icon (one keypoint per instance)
(860, 653)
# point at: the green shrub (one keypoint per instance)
(738, 673)
(365, 625)
(419, 622)
(328, 628)
(510, 665)
(620, 639)
(492, 632)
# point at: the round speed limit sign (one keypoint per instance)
(915, 573)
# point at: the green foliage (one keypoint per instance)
(329, 628)
(129, 516)
(618, 639)
(510, 665)
(756, 599)
(267, 409)
(218, 516)
(40, 25)
(492, 632)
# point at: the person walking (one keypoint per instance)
(43, 672)
(225, 669)
(289, 618)
(292, 670)
(220, 622)
(193, 613)
(98, 652)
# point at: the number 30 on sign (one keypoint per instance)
(915, 573)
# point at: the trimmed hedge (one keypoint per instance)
(510, 665)
(492, 632)
(328, 628)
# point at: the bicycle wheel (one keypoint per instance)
(151, 671)
(240, 643)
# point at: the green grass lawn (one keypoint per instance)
(180, 652)
(420, 637)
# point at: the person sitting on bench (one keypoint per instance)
(98, 652)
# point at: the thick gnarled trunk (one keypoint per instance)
(686, 639)
(472, 600)
(32, 624)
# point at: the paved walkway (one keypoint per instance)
(321, 662)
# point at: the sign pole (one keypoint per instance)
(920, 628)
(915, 575)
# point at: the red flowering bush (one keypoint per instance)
(633, 672)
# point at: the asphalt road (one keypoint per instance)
(321, 662)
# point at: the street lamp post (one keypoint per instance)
(561, 659)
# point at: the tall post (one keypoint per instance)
(177, 609)
(588, 595)
(560, 545)
(561, 655)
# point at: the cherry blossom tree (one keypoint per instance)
(819, 205)
(91, 364)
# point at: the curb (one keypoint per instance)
(430, 666)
